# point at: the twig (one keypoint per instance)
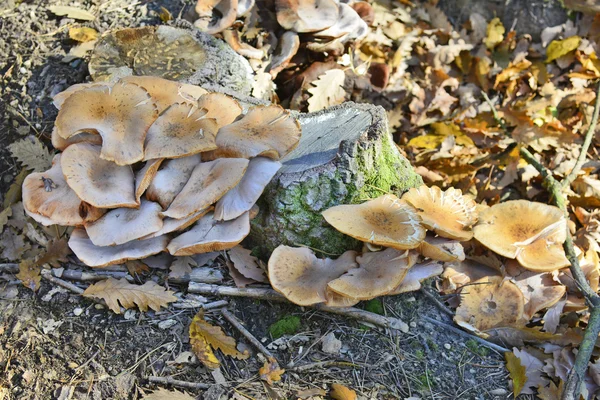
(175, 382)
(437, 302)
(460, 332)
(84, 276)
(246, 333)
(214, 304)
(10, 268)
(47, 275)
(322, 364)
(270, 294)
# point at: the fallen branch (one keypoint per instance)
(175, 382)
(47, 275)
(270, 294)
(246, 333)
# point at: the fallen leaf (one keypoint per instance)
(533, 371)
(181, 267)
(32, 153)
(57, 251)
(341, 392)
(164, 394)
(309, 393)
(136, 267)
(29, 274)
(201, 348)
(247, 264)
(72, 12)
(13, 245)
(7, 212)
(83, 34)
(13, 195)
(559, 48)
(550, 392)
(494, 34)
(79, 51)
(328, 90)
(552, 316)
(516, 371)
(270, 371)
(114, 291)
(165, 15)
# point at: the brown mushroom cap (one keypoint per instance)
(448, 213)
(534, 240)
(96, 256)
(209, 235)
(121, 115)
(215, 15)
(144, 177)
(165, 92)
(243, 196)
(490, 303)
(98, 182)
(169, 180)
(268, 131)
(181, 130)
(306, 15)
(384, 221)
(84, 137)
(301, 277)
(458, 274)
(442, 249)
(288, 46)
(48, 195)
(377, 274)
(174, 225)
(59, 98)
(417, 274)
(222, 108)
(124, 225)
(207, 184)
(349, 25)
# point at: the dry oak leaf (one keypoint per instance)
(164, 394)
(270, 371)
(517, 372)
(29, 269)
(29, 274)
(13, 245)
(341, 392)
(4, 215)
(32, 153)
(114, 291)
(328, 90)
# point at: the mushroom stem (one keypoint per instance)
(237, 324)
(270, 294)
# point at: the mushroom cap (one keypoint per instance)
(222, 108)
(169, 180)
(244, 195)
(101, 183)
(490, 302)
(377, 274)
(306, 15)
(288, 46)
(84, 137)
(301, 277)
(442, 249)
(47, 195)
(349, 24)
(459, 273)
(165, 92)
(124, 225)
(384, 221)
(96, 256)
(181, 130)
(144, 177)
(448, 213)
(417, 274)
(215, 15)
(209, 235)
(59, 98)
(268, 131)
(207, 184)
(121, 115)
(174, 225)
(337, 300)
(534, 239)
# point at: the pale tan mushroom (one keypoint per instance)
(242, 197)
(175, 225)
(209, 235)
(96, 256)
(124, 225)
(215, 15)
(348, 26)
(222, 108)
(49, 200)
(84, 137)
(377, 274)
(169, 180)
(180, 131)
(531, 232)
(165, 92)
(101, 183)
(417, 274)
(232, 37)
(384, 221)
(301, 277)
(448, 213)
(442, 249)
(59, 98)
(306, 15)
(144, 177)
(288, 46)
(121, 115)
(460, 273)
(207, 184)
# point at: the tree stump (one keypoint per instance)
(346, 155)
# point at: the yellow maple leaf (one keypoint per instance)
(559, 48)
(270, 371)
(517, 372)
(341, 392)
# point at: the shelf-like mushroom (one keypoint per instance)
(215, 16)
(442, 249)
(306, 15)
(60, 143)
(170, 179)
(417, 274)
(165, 92)
(222, 108)
(144, 177)
(174, 225)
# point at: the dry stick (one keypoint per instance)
(555, 188)
(47, 275)
(175, 382)
(270, 294)
(246, 333)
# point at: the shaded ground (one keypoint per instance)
(56, 345)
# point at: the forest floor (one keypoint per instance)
(57, 345)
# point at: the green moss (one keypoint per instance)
(432, 345)
(286, 326)
(420, 354)
(476, 348)
(374, 306)
(423, 382)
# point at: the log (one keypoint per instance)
(346, 155)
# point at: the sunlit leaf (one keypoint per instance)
(559, 48)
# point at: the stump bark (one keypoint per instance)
(346, 155)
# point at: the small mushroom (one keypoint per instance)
(144, 177)
(121, 115)
(169, 180)
(288, 46)
(535, 240)
(174, 225)
(209, 235)
(215, 15)
(268, 131)
(222, 108)
(96, 256)
(49, 200)
(460, 273)
(448, 213)
(207, 184)
(306, 15)
(59, 98)
(349, 25)
(442, 249)
(232, 37)
(384, 221)
(165, 92)
(416, 275)
(490, 302)
(301, 277)
(101, 183)
(377, 274)
(242, 197)
(365, 11)
(124, 225)
(84, 137)
(181, 130)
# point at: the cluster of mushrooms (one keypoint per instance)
(400, 252)
(145, 159)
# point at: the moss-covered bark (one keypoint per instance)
(346, 156)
